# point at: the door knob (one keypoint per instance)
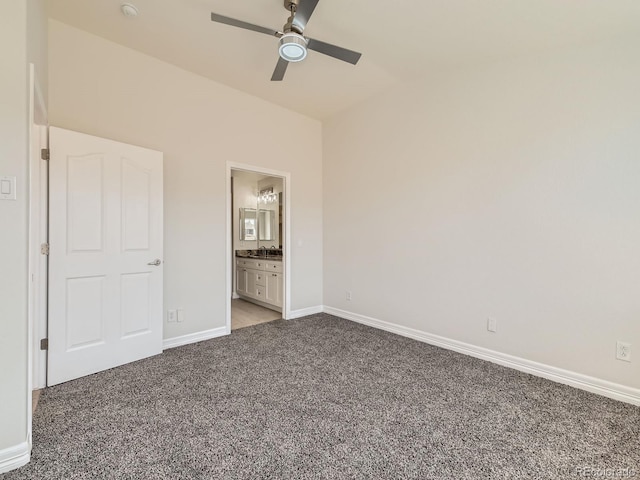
(155, 263)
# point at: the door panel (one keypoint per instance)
(85, 312)
(136, 314)
(136, 203)
(105, 306)
(85, 203)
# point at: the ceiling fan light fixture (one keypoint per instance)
(293, 47)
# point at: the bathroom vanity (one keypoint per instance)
(260, 280)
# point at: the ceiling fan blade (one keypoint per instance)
(281, 67)
(334, 51)
(304, 12)
(239, 23)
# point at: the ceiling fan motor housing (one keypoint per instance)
(293, 47)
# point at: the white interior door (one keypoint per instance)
(105, 260)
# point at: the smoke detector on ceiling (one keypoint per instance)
(129, 10)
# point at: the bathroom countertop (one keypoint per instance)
(273, 258)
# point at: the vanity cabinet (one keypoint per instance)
(260, 280)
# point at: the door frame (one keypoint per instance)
(38, 231)
(286, 189)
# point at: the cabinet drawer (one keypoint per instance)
(260, 293)
(274, 267)
(250, 263)
(245, 262)
(260, 280)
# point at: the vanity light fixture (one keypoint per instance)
(267, 195)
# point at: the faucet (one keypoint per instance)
(263, 250)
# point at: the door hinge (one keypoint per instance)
(44, 249)
(44, 154)
(44, 344)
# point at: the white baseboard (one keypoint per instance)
(235, 296)
(566, 377)
(303, 312)
(14, 457)
(194, 337)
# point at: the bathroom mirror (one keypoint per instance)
(267, 225)
(248, 224)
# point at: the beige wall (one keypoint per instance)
(511, 191)
(37, 41)
(13, 254)
(104, 89)
(22, 40)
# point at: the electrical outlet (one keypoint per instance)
(348, 295)
(623, 351)
(171, 316)
(492, 324)
(180, 315)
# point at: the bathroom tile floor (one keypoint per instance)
(245, 314)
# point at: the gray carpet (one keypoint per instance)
(322, 397)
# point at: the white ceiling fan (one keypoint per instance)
(293, 43)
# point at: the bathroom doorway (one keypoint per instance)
(258, 253)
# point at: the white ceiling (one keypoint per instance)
(399, 40)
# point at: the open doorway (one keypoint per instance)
(259, 247)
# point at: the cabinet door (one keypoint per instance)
(251, 283)
(274, 289)
(241, 281)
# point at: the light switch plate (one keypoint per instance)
(7, 188)
(492, 324)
